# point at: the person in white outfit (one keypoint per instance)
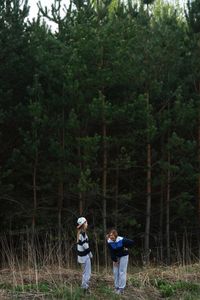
(83, 252)
(118, 247)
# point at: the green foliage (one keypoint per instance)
(135, 282)
(49, 290)
(105, 291)
(192, 15)
(168, 289)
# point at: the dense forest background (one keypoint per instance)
(101, 118)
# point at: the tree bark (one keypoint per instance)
(116, 195)
(198, 193)
(81, 208)
(61, 185)
(168, 209)
(34, 192)
(161, 220)
(199, 165)
(149, 192)
(148, 205)
(104, 180)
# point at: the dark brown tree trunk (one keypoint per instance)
(81, 200)
(148, 205)
(198, 201)
(149, 192)
(161, 220)
(105, 159)
(198, 183)
(168, 209)
(60, 203)
(116, 195)
(104, 180)
(61, 185)
(34, 192)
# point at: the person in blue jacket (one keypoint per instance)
(118, 247)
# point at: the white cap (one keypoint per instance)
(81, 221)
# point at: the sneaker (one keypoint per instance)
(121, 291)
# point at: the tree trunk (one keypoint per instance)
(161, 220)
(198, 196)
(168, 209)
(162, 197)
(60, 208)
(116, 194)
(104, 183)
(105, 159)
(34, 192)
(199, 164)
(199, 173)
(148, 203)
(81, 206)
(61, 185)
(60, 203)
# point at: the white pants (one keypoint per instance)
(86, 268)
(120, 271)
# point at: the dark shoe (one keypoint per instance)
(87, 292)
(121, 291)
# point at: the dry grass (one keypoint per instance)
(140, 284)
(173, 274)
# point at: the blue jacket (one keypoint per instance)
(119, 247)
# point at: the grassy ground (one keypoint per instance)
(172, 283)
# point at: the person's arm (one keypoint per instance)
(112, 253)
(128, 243)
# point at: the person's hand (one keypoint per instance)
(115, 263)
(91, 255)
